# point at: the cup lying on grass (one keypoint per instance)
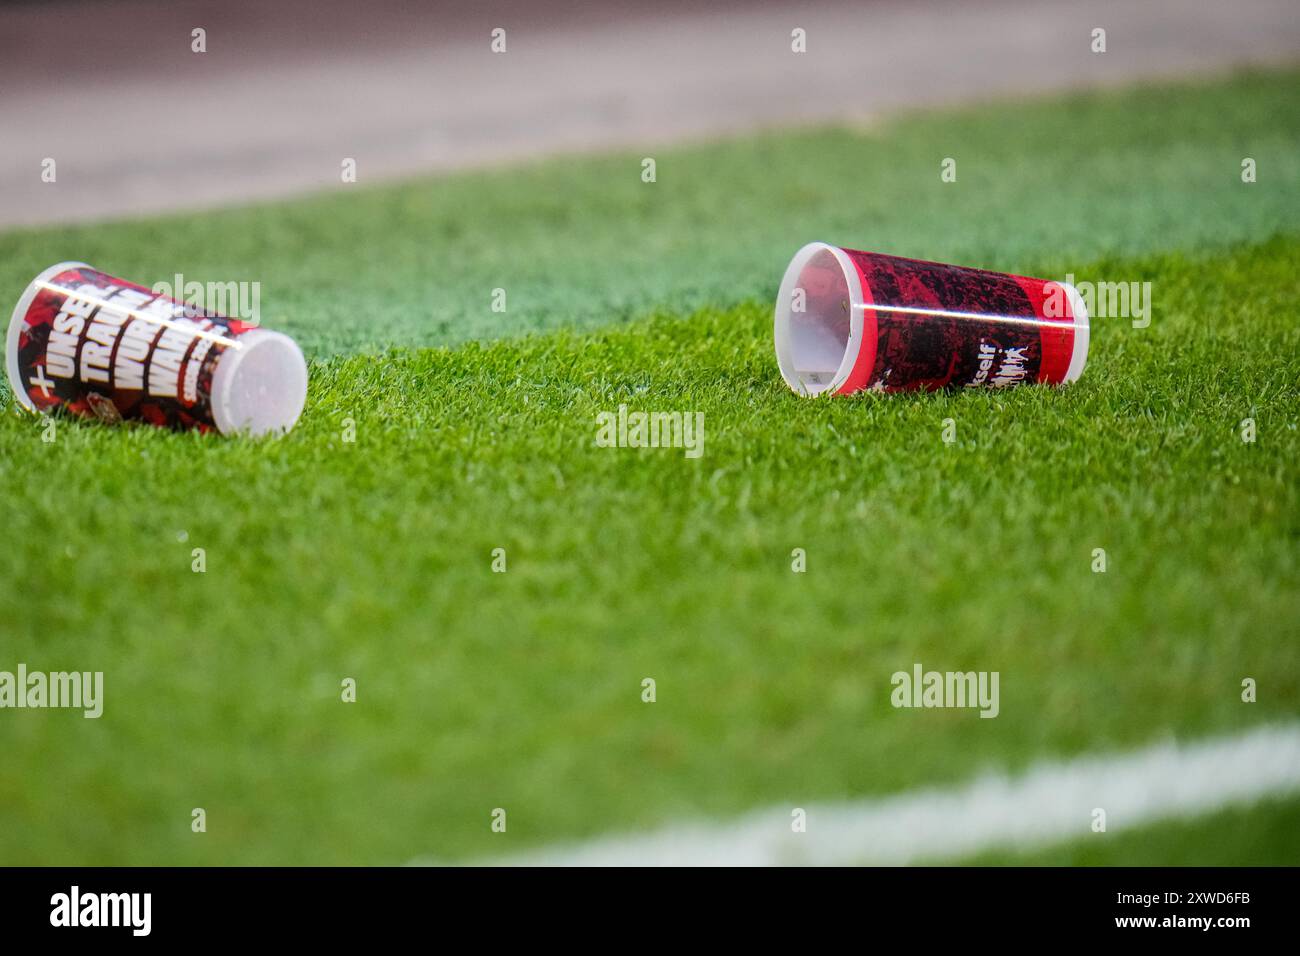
(92, 345)
(848, 321)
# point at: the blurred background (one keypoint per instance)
(141, 123)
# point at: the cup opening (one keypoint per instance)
(17, 321)
(818, 319)
(1079, 355)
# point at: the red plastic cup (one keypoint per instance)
(93, 345)
(848, 321)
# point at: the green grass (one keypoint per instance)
(1043, 187)
(371, 559)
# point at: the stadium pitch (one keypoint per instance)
(443, 529)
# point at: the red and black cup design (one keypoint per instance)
(847, 321)
(89, 344)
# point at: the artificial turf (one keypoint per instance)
(1043, 187)
(372, 559)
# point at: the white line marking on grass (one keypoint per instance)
(1051, 802)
